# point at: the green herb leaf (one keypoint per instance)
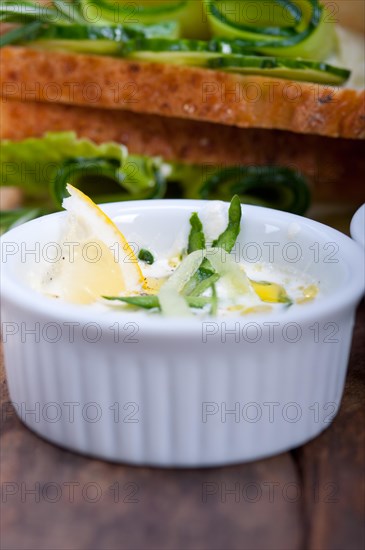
(146, 256)
(228, 238)
(226, 241)
(151, 302)
(196, 236)
(204, 284)
(214, 306)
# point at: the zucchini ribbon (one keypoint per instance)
(285, 38)
(298, 28)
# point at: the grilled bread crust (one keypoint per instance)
(181, 92)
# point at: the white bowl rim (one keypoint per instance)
(32, 301)
(357, 227)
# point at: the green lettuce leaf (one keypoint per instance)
(32, 164)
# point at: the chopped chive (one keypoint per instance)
(152, 302)
(146, 256)
(214, 306)
(228, 238)
(204, 285)
(196, 236)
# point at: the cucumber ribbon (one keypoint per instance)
(289, 39)
(272, 186)
(197, 273)
(298, 28)
(140, 180)
(105, 180)
(41, 168)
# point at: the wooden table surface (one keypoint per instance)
(310, 499)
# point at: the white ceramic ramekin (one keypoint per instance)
(357, 228)
(179, 392)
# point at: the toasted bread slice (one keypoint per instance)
(181, 92)
(334, 167)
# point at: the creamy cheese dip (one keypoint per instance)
(300, 288)
(177, 282)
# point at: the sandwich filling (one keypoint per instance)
(292, 39)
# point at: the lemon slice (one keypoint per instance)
(97, 260)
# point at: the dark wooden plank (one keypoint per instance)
(333, 465)
(155, 509)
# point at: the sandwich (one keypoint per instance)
(210, 96)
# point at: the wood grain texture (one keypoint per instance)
(336, 506)
(315, 502)
(181, 92)
(170, 511)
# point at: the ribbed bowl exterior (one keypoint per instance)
(180, 392)
(177, 401)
